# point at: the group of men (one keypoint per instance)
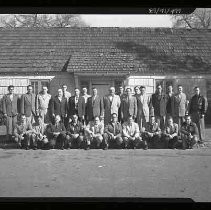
(122, 120)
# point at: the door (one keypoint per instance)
(102, 89)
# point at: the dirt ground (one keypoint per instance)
(112, 173)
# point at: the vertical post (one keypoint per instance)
(76, 81)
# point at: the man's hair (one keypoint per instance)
(59, 90)
(186, 116)
(114, 114)
(77, 89)
(11, 86)
(169, 117)
(159, 85)
(96, 117)
(179, 86)
(44, 86)
(169, 85)
(141, 87)
(29, 86)
(131, 116)
(136, 87)
(196, 87)
(64, 85)
(129, 88)
(94, 88)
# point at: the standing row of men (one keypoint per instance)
(140, 106)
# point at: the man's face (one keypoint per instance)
(130, 120)
(159, 89)
(114, 118)
(121, 90)
(97, 121)
(60, 93)
(188, 120)
(29, 89)
(84, 91)
(112, 91)
(57, 118)
(11, 90)
(75, 118)
(23, 119)
(137, 90)
(197, 91)
(77, 92)
(180, 89)
(94, 91)
(128, 92)
(170, 88)
(45, 90)
(170, 121)
(142, 91)
(152, 119)
(64, 88)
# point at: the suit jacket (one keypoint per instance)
(132, 131)
(58, 107)
(158, 103)
(115, 129)
(96, 129)
(110, 107)
(170, 104)
(172, 130)
(94, 108)
(75, 129)
(180, 105)
(187, 129)
(143, 106)
(10, 107)
(51, 128)
(128, 107)
(81, 106)
(22, 128)
(153, 128)
(28, 106)
(197, 104)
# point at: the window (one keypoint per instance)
(84, 84)
(164, 83)
(117, 84)
(38, 84)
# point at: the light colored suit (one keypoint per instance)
(143, 109)
(180, 106)
(110, 106)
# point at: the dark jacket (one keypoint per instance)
(115, 129)
(80, 111)
(197, 104)
(128, 107)
(28, 104)
(51, 128)
(159, 104)
(189, 129)
(153, 128)
(10, 107)
(94, 108)
(75, 129)
(58, 107)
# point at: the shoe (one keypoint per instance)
(27, 148)
(146, 148)
(35, 148)
(105, 148)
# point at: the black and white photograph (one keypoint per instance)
(106, 105)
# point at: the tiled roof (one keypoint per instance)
(124, 50)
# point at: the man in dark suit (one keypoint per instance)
(128, 106)
(76, 105)
(28, 101)
(59, 106)
(94, 106)
(158, 103)
(197, 110)
(10, 110)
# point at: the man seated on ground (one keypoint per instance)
(38, 136)
(75, 133)
(94, 133)
(113, 133)
(131, 135)
(189, 133)
(170, 134)
(56, 133)
(22, 132)
(152, 133)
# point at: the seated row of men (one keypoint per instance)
(95, 135)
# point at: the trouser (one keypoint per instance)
(153, 142)
(24, 143)
(44, 115)
(137, 143)
(113, 143)
(57, 142)
(142, 121)
(72, 142)
(30, 119)
(187, 142)
(170, 143)
(196, 118)
(161, 121)
(10, 124)
(95, 142)
(179, 120)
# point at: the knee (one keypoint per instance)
(119, 140)
(105, 135)
(99, 138)
(80, 138)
